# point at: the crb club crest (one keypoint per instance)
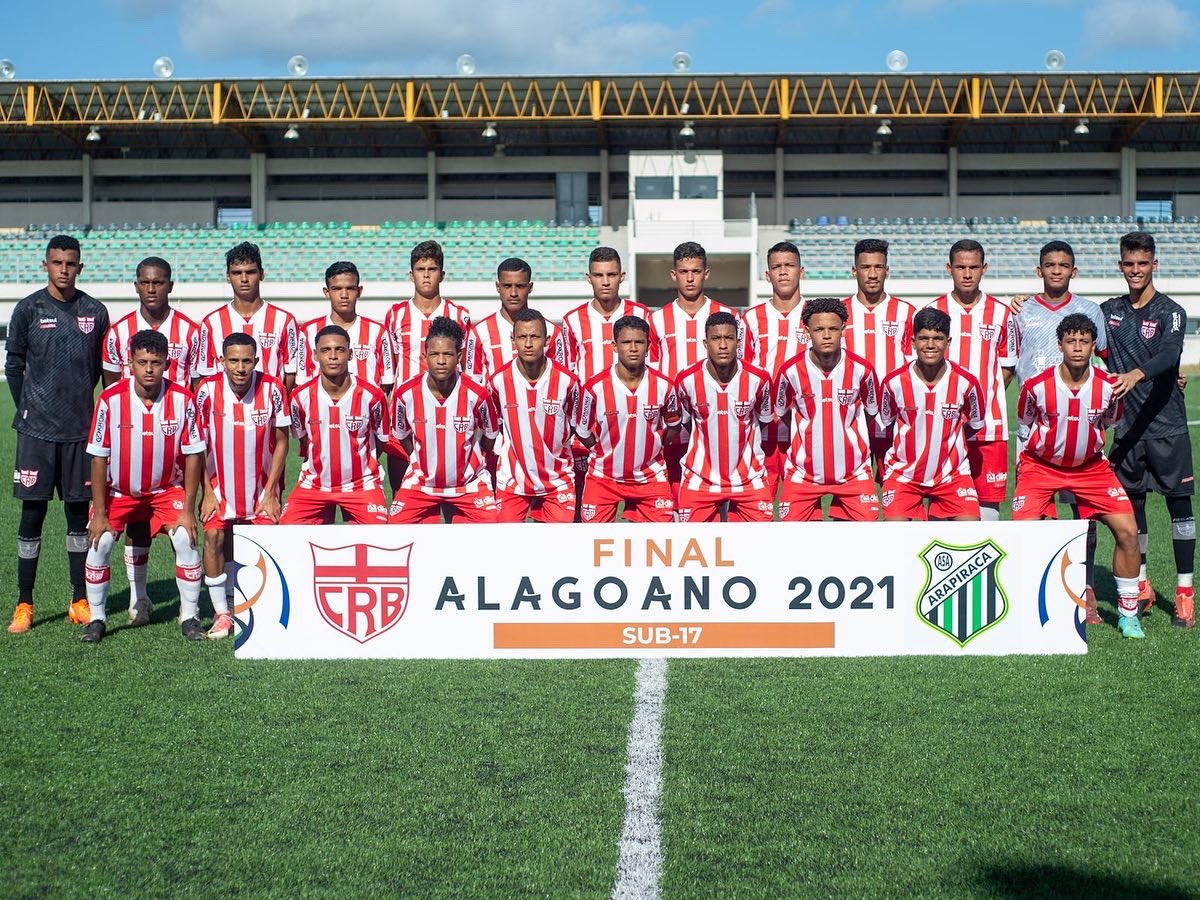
(962, 596)
(169, 427)
(551, 407)
(987, 332)
(587, 512)
(361, 589)
(361, 352)
(891, 329)
(87, 324)
(27, 477)
(650, 413)
(741, 409)
(266, 339)
(354, 423)
(260, 417)
(462, 424)
(1149, 328)
(174, 351)
(846, 397)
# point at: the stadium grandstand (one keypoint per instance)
(548, 167)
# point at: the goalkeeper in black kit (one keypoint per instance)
(1152, 450)
(54, 340)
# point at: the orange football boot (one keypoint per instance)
(22, 619)
(79, 612)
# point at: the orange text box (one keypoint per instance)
(662, 635)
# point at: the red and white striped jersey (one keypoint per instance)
(535, 421)
(144, 446)
(1066, 425)
(829, 438)
(882, 335)
(774, 337)
(589, 337)
(679, 338)
(240, 433)
(340, 440)
(183, 345)
(929, 446)
(274, 329)
(628, 426)
(490, 347)
(407, 328)
(446, 459)
(725, 452)
(371, 357)
(983, 340)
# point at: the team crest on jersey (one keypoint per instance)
(174, 351)
(785, 507)
(987, 332)
(1094, 416)
(846, 397)
(361, 352)
(87, 324)
(266, 340)
(354, 423)
(587, 512)
(462, 424)
(551, 407)
(891, 329)
(260, 417)
(1149, 328)
(682, 514)
(169, 427)
(27, 477)
(889, 498)
(650, 413)
(361, 590)
(1018, 503)
(801, 334)
(949, 412)
(741, 409)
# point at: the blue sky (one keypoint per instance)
(224, 38)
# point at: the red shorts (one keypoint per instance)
(161, 510)
(309, 506)
(989, 469)
(411, 506)
(650, 502)
(903, 500)
(216, 523)
(744, 506)
(775, 454)
(1095, 487)
(556, 507)
(853, 501)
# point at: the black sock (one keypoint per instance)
(29, 547)
(1138, 501)
(1183, 533)
(1090, 557)
(77, 546)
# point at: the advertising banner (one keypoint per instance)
(590, 591)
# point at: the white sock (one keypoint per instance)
(1183, 581)
(98, 577)
(137, 561)
(216, 592)
(1127, 594)
(187, 574)
(1142, 572)
(989, 513)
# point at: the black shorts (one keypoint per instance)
(45, 466)
(1161, 465)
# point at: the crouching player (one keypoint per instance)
(244, 420)
(827, 394)
(726, 402)
(341, 423)
(1066, 409)
(435, 417)
(146, 456)
(935, 404)
(627, 416)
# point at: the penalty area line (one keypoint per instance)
(639, 859)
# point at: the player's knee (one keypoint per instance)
(99, 554)
(33, 516)
(76, 514)
(186, 553)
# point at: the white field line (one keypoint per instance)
(639, 860)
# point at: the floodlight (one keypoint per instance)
(8, 69)
(885, 128)
(1062, 108)
(681, 62)
(874, 109)
(297, 66)
(687, 132)
(1055, 60)
(465, 64)
(164, 67)
(292, 134)
(93, 134)
(489, 132)
(1082, 127)
(897, 61)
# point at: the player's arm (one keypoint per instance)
(268, 503)
(1026, 407)
(208, 497)
(488, 416)
(17, 347)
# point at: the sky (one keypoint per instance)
(112, 39)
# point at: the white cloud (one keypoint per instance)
(1147, 25)
(506, 36)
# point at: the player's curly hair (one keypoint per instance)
(931, 319)
(1076, 323)
(245, 252)
(442, 327)
(690, 250)
(818, 305)
(870, 245)
(427, 250)
(150, 341)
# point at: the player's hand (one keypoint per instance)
(268, 507)
(187, 521)
(1017, 302)
(208, 506)
(1181, 382)
(96, 529)
(1126, 382)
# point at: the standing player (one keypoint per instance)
(146, 458)
(274, 331)
(984, 342)
(774, 335)
(341, 423)
(727, 401)
(537, 401)
(878, 329)
(934, 404)
(1153, 450)
(679, 331)
(490, 340)
(407, 322)
(1064, 411)
(828, 393)
(243, 418)
(371, 357)
(153, 285)
(435, 418)
(628, 414)
(54, 343)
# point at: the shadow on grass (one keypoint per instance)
(1053, 880)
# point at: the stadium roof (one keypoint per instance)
(190, 118)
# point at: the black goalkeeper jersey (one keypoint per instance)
(54, 364)
(1150, 339)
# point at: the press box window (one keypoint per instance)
(697, 187)
(654, 187)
